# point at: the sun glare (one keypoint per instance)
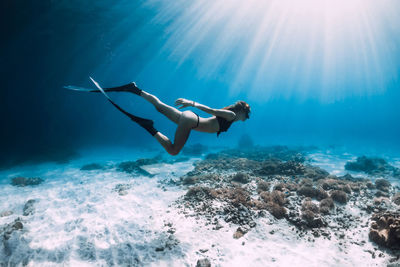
(310, 48)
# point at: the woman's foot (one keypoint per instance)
(130, 87)
(145, 123)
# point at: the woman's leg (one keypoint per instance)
(170, 112)
(185, 125)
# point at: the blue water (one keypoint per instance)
(316, 72)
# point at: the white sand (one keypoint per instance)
(80, 220)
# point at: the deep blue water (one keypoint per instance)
(313, 74)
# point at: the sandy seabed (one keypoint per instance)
(107, 217)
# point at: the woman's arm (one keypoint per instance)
(224, 113)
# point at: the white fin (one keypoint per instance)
(77, 88)
(101, 89)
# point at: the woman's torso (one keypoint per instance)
(212, 125)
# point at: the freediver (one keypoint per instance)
(187, 121)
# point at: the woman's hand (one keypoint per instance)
(183, 102)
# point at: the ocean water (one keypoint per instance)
(321, 74)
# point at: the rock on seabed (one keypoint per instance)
(24, 181)
(385, 229)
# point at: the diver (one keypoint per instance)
(187, 121)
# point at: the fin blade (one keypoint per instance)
(77, 88)
(99, 87)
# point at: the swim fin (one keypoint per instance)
(77, 88)
(130, 87)
(145, 123)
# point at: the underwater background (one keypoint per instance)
(311, 179)
(314, 72)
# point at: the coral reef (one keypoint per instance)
(385, 229)
(372, 166)
(24, 181)
(238, 187)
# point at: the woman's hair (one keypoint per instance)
(239, 106)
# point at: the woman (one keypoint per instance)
(186, 120)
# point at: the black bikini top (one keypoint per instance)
(223, 125)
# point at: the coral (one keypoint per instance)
(23, 181)
(321, 194)
(277, 211)
(291, 168)
(308, 215)
(306, 182)
(236, 196)
(329, 183)
(381, 203)
(396, 199)
(199, 193)
(339, 196)
(326, 205)
(274, 202)
(190, 180)
(380, 193)
(276, 167)
(355, 187)
(385, 229)
(262, 186)
(373, 166)
(345, 188)
(203, 263)
(370, 185)
(292, 186)
(309, 205)
(307, 191)
(194, 179)
(382, 184)
(365, 164)
(259, 153)
(228, 184)
(241, 177)
(275, 196)
(311, 219)
(315, 173)
(279, 186)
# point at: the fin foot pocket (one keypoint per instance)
(145, 123)
(130, 87)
